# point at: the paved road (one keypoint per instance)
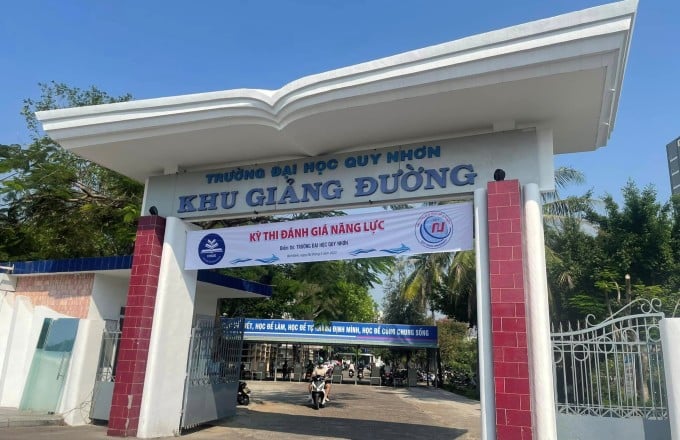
(280, 411)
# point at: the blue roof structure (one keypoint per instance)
(123, 262)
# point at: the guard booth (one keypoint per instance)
(478, 118)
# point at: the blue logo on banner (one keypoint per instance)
(434, 229)
(211, 249)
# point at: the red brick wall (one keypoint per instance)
(508, 306)
(68, 294)
(134, 345)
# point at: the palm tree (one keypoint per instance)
(557, 212)
(555, 207)
(461, 287)
(429, 272)
(449, 279)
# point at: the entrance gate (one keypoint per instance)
(106, 371)
(609, 377)
(431, 124)
(213, 371)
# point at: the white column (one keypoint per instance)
(538, 318)
(544, 139)
(20, 349)
(484, 342)
(670, 343)
(6, 313)
(161, 406)
(82, 373)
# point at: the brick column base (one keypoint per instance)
(134, 344)
(508, 312)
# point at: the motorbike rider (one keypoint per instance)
(321, 370)
(308, 369)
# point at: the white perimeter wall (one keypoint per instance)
(670, 342)
(79, 386)
(20, 326)
(6, 312)
(26, 323)
(109, 294)
(206, 304)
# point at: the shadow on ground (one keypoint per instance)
(316, 424)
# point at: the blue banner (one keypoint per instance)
(350, 333)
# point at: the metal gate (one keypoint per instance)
(213, 370)
(106, 371)
(609, 377)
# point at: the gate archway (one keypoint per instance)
(506, 100)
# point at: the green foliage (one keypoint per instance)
(458, 353)
(588, 261)
(636, 237)
(56, 205)
(426, 277)
(455, 349)
(456, 297)
(397, 309)
(319, 291)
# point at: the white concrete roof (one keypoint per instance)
(563, 72)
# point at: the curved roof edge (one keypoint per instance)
(523, 52)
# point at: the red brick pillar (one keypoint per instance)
(508, 312)
(134, 344)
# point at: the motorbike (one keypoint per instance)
(360, 373)
(242, 396)
(386, 377)
(318, 391)
(400, 377)
(351, 372)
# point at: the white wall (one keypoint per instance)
(670, 343)
(25, 329)
(109, 294)
(6, 313)
(206, 304)
(78, 388)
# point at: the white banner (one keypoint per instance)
(445, 228)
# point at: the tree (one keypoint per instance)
(320, 291)
(396, 308)
(636, 240)
(455, 293)
(555, 207)
(637, 237)
(626, 252)
(572, 259)
(57, 205)
(456, 297)
(429, 271)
